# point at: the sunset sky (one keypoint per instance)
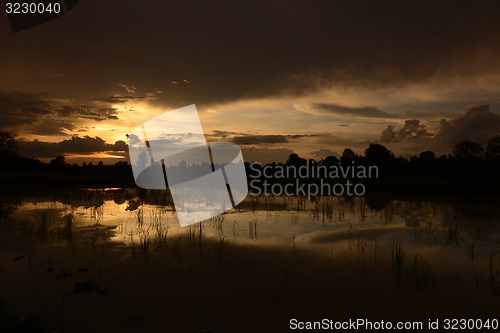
(275, 77)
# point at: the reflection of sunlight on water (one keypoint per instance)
(29, 208)
(329, 253)
(324, 225)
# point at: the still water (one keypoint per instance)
(78, 258)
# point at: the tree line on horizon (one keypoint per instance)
(468, 160)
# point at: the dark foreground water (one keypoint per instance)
(115, 260)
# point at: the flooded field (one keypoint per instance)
(116, 260)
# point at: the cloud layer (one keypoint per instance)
(368, 111)
(40, 114)
(75, 145)
(231, 50)
(335, 72)
(477, 124)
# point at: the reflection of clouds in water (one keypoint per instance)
(143, 222)
(343, 233)
(275, 220)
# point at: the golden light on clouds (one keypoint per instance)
(336, 77)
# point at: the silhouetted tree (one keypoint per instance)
(377, 153)
(296, 160)
(427, 156)
(468, 150)
(58, 162)
(8, 145)
(330, 161)
(348, 156)
(493, 147)
(121, 164)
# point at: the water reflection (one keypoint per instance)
(264, 220)
(274, 251)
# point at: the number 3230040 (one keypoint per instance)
(32, 8)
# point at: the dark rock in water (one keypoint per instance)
(62, 275)
(82, 270)
(86, 287)
(19, 258)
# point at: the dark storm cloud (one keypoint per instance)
(220, 134)
(75, 145)
(121, 98)
(266, 139)
(99, 114)
(369, 111)
(45, 115)
(389, 134)
(228, 50)
(21, 108)
(477, 124)
(88, 111)
(51, 127)
(299, 136)
(255, 139)
(259, 139)
(412, 129)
